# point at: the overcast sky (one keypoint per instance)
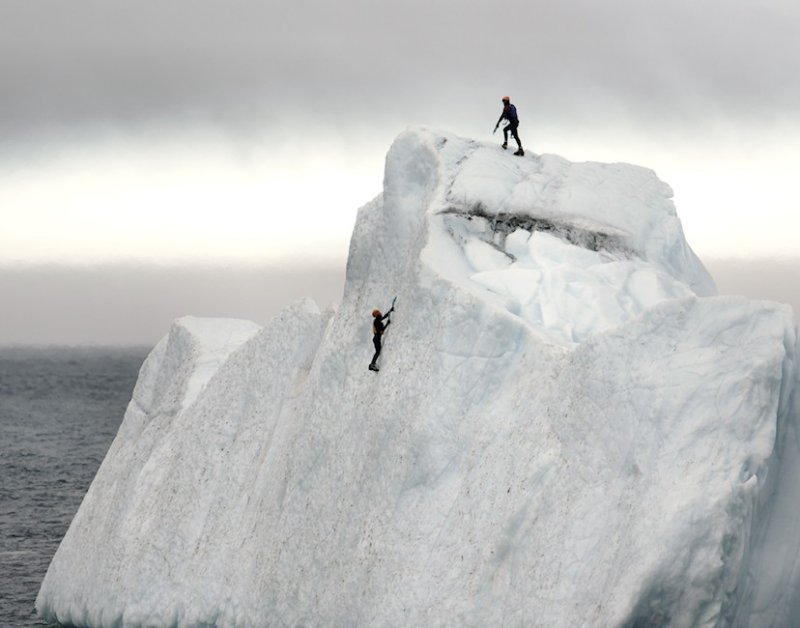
(249, 132)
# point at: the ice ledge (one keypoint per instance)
(576, 232)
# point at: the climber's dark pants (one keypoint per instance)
(376, 340)
(511, 126)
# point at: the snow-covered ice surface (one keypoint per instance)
(568, 429)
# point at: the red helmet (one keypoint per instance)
(376, 312)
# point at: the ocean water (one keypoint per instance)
(59, 411)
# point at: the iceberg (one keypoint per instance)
(569, 428)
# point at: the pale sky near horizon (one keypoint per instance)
(250, 131)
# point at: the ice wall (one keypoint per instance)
(567, 428)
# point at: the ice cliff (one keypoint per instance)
(568, 429)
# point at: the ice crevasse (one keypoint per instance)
(568, 429)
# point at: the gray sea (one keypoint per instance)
(59, 411)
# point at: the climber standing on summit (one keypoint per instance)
(509, 113)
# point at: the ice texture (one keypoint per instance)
(568, 428)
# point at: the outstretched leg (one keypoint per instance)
(516, 136)
(514, 133)
(376, 340)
